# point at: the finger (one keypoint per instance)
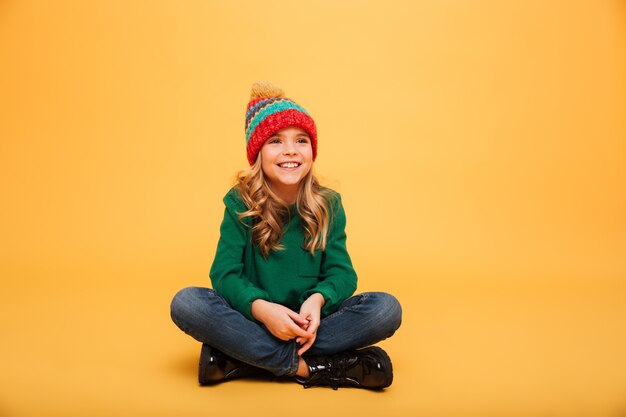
(313, 326)
(296, 317)
(297, 331)
(306, 346)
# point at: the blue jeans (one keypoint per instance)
(360, 321)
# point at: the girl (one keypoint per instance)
(282, 301)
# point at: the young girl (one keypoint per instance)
(282, 301)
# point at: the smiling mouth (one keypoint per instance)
(289, 165)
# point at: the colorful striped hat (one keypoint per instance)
(269, 111)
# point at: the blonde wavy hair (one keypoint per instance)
(270, 213)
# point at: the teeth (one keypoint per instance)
(289, 165)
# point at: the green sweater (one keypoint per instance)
(241, 274)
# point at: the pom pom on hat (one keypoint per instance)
(269, 111)
(265, 89)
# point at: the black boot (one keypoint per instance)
(216, 366)
(364, 368)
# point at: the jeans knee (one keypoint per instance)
(180, 306)
(389, 310)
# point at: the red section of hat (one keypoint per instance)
(277, 121)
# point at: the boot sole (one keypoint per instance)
(203, 368)
(347, 382)
(386, 360)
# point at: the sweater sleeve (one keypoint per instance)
(227, 272)
(338, 280)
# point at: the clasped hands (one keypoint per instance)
(286, 324)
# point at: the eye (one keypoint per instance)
(273, 140)
(304, 140)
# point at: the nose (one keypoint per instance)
(289, 149)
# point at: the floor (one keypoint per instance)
(478, 345)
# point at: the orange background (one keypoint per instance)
(480, 147)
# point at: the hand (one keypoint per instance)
(310, 310)
(281, 321)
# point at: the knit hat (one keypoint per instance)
(269, 111)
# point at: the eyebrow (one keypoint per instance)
(299, 134)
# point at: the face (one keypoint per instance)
(290, 144)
